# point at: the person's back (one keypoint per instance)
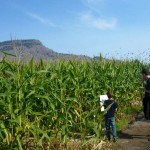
(111, 111)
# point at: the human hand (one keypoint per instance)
(142, 88)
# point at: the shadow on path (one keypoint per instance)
(133, 136)
(136, 136)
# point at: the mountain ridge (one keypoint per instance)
(28, 48)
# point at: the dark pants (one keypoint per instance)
(146, 107)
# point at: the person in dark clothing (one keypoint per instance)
(146, 99)
(110, 122)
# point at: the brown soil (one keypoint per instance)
(136, 136)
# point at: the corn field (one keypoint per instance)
(45, 103)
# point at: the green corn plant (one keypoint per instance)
(59, 100)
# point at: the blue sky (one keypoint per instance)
(114, 28)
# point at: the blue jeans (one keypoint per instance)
(111, 123)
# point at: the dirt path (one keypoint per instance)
(137, 136)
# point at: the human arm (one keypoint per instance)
(115, 106)
(147, 91)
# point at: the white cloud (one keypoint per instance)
(94, 5)
(93, 1)
(41, 19)
(104, 24)
(99, 23)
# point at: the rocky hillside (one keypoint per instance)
(26, 49)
